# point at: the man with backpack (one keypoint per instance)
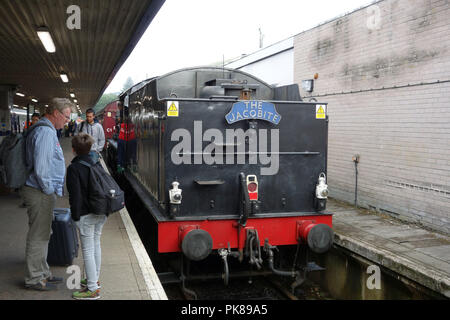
(93, 195)
(45, 160)
(95, 130)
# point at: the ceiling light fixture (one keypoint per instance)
(72, 95)
(64, 77)
(34, 100)
(20, 94)
(46, 39)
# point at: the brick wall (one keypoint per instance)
(384, 70)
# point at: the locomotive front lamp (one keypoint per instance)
(322, 187)
(252, 187)
(175, 199)
(320, 201)
(175, 193)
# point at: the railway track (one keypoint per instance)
(241, 287)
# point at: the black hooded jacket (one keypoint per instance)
(77, 182)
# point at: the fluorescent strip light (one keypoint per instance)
(46, 39)
(19, 111)
(34, 100)
(72, 95)
(20, 94)
(75, 100)
(64, 77)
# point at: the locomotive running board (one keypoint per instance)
(209, 182)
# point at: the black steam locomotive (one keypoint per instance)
(227, 164)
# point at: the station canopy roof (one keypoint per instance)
(90, 56)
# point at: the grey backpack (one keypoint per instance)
(13, 167)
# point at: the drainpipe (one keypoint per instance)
(356, 161)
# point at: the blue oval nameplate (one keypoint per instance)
(253, 110)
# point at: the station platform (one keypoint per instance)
(417, 254)
(411, 251)
(126, 274)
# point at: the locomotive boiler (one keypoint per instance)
(228, 165)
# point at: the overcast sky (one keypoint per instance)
(200, 32)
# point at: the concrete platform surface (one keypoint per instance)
(126, 273)
(417, 254)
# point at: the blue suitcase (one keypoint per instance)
(63, 244)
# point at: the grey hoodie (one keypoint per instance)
(96, 131)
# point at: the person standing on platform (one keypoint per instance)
(35, 118)
(95, 130)
(89, 224)
(70, 128)
(45, 156)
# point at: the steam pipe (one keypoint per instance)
(268, 248)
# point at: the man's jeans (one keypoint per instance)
(40, 215)
(90, 227)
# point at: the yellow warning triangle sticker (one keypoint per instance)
(320, 112)
(173, 107)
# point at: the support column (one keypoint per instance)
(6, 101)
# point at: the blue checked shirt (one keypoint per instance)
(45, 155)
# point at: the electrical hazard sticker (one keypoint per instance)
(321, 111)
(173, 108)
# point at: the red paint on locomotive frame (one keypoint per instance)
(279, 231)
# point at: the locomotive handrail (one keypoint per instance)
(246, 206)
(224, 97)
(209, 182)
(228, 100)
(306, 153)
